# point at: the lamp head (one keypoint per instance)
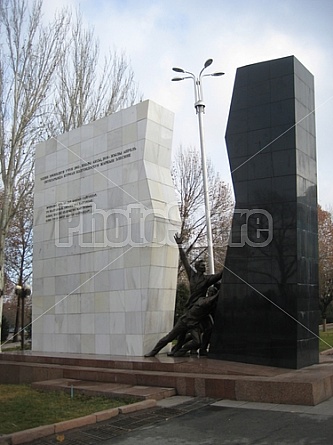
(208, 63)
(178, 70)
(177, 79)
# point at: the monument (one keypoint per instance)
(268, 308)
(105, 260)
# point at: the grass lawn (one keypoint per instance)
(22, 407)
(328, 338)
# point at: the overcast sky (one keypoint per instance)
(157, 35)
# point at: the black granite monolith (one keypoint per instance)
(268, 308)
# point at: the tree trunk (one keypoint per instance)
(2, 283)
(324, 324)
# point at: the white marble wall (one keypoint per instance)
(105, 262)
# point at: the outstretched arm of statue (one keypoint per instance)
(215, 278)
(182, 254)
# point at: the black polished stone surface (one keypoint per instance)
(268, 307)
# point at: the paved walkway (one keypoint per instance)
(182, 420)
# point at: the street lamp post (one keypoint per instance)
(22, 292)
(199, 105)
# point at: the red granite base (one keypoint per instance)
(188, 376)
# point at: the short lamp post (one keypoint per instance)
(199, 105)
(22, 292)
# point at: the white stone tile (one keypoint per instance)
(100, 126)
(153, 132)
(87, 304)
(134, 345)
(74, 137)
(49, 285)
(49, 230)
(68, 284)
(118, 257)
(160, 300)
(102, 323)
(62, 158)
(100, 185)
(116, 279)
(100, 144)
(37, 307)
(50, 146)
(142, 109)
(114, 178)
(114, 121)
(87, 150)
(166, 140)
(151, 151)
(48, 267)
(87, 282)
(39, 269)
(61, 324)
(102, 344)
(142, 129)
(100, 259)
(131, 172)
(144, 191)
(102, 281)
(102, 302)
(39, 168)
(73, 344)
(51, 163)
(133, 322)
(74, 323)
(118, 344)
(40, 150)
(74, 155)
(87, 344)
(130, 193)
(73, 304)
(117, 302)
(48, 324)
(87, 132)
(60, 304)
(160, 115)
(145, 274)
(158, 322)
(156, 277)
(132, 300)
(117, 323)
(48, 342)
(164, 156)
(132, 278)
(129, 115)
(38, 285)
(130, 135)
(114, 140)
(62, 142)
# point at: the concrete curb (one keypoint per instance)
(47, 430)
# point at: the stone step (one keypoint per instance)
(188, 376)
(95, 388)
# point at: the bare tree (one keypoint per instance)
(187, 176)
(325, 247)
(87, 88)
(18, 266)
(50, 82)
(29, 55)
